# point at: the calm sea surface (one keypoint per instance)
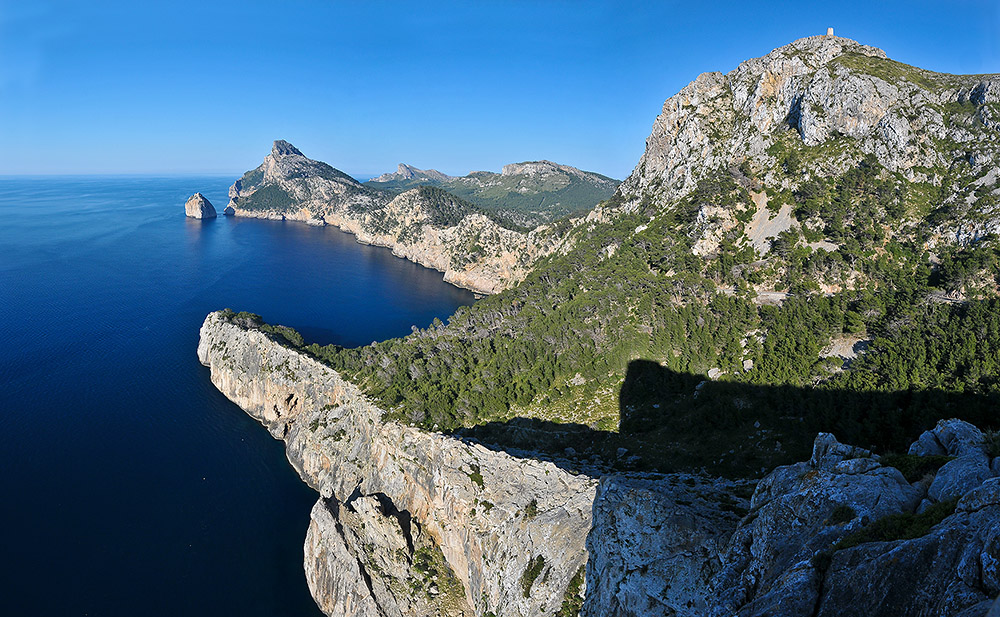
(129, 485)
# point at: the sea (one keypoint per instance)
(129, 484)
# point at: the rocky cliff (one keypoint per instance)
(821, 89)
(198, 207)
(473, 249)
(411, 522)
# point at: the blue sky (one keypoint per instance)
(204, 87)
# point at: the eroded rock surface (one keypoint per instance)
(418, 523)
(198, 207)
(490, 514)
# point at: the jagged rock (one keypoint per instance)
(946, 572)
(984, 496)
(927, 445)
(769, 561)
(828, 452)
(959, 437)
(359, 555)
(956, 478)
(828, 90)
(656, 543)
(198, 207)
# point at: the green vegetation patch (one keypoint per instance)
(899, 526)
(267, 197)
(842, 514)
(915, 467)
(894, 72)
(531, 573)
(573, 598)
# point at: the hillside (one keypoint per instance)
(476, 248)
(736, 387)
(529, 193)
(819, 198)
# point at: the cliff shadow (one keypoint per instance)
(673, 421)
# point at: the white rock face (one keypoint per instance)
(489, 513)
(198, 207)
(813, 86)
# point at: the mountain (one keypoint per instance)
(529, 193)
(406, 173)
(776, 225)
(805, 257)
(475, 248)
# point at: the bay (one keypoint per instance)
(130, 484)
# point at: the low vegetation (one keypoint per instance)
(899, 526)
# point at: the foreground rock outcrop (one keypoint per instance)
(416, 523)
(198, 207)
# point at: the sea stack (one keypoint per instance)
(198, 207)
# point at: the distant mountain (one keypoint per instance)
(476, 248)
(528, 193)
(406, 173)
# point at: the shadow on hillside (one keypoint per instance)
(671, 421)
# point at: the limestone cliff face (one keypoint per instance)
(473, 251)
(418, 523)
(823, 88)
(198, 207)
(511, 531)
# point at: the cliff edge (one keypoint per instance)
(411, 522)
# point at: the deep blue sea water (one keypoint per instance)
(129, 484)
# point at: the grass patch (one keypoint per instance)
(899, 526)
(915, 467)
(476, 476)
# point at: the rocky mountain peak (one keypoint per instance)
(283, 148)
(409, 172)
(531, 168)
(825, 88)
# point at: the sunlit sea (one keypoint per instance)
(129, 485)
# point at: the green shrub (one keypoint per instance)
(572, 599)
(899, 526)
(842, 514)
(914, 467)
(531, 572)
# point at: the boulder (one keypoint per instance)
(952, 437)
(958, 477)
(198, 207)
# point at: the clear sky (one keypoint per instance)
(205, 86)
